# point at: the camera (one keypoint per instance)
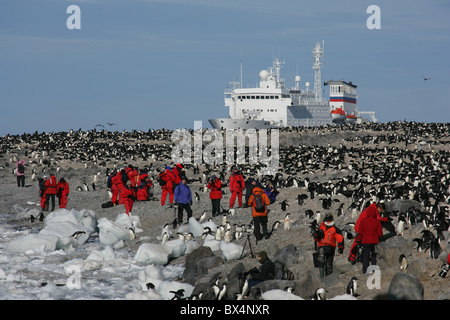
(444, 270)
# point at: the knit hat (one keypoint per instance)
(262, 254)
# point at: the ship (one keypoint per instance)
(272, 105)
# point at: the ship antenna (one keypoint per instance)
(241, 71)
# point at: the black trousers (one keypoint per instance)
(215, 204)
(21, 181)
(260, 221)
(368, 255)
(181, 207)
(47, 201)
(325, 258)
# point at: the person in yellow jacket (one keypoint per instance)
(259, 201)
(326, 237)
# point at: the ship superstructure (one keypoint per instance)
(272, 105)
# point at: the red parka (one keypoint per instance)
(169, 177)
(51, 185)
(177, 173)
(370, 229)
(237, 183)
(216, 192)
(370, 210)
(331, 236)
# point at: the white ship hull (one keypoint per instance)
(272, 105)
(228, 123)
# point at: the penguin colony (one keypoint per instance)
(339, 169)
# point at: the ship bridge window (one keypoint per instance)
(253, 97)
(277, 97)
(267, 97)
(272, 97)
(257, 97)
(262, 97)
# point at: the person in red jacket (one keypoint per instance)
(127, 197)
(215, 185)
(326, 237)
(133, 175)
(62, 191)
(116, 185)
(374, 208)
(237, 184)
(142, 193)
(168, 180)
(42, 192)
(370, 231)
(51, 186)
(178, 173)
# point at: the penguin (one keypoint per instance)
(309, 213)
(289, 289)
(244, 288)
(228, 237)
(76, 234)
(202, 217)
(132, 234)
(80, 189)
(352, 286)
(284, 205)
(85, 186)
(150, 286)
(218, 234)
(340, 210)
(32, 218)
(93, 186)
(401, 225)
(41, 216)
(275, 226)
(320, 294)
(403, 262)
(287, 223)
(216, 290)
(197, 197)
(222, 292)
(178, 295)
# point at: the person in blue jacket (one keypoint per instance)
(271, 192)
(183, 199)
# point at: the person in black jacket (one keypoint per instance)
(266, 272)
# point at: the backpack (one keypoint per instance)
(258, 203)
(160, 180)
(21, 168)
(282, 272)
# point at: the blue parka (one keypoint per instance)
(183, 194)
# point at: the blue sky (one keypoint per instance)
(164, 64)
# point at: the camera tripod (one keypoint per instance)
(250, 246)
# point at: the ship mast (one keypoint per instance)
(318, 55)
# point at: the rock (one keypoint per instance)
(198, 263)
(402, 205)
(288, 255)
(389, 251)
(405, 287)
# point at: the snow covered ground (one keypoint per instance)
(88, 271)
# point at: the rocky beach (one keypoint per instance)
(336, 169)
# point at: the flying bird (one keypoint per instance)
(426, 78)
